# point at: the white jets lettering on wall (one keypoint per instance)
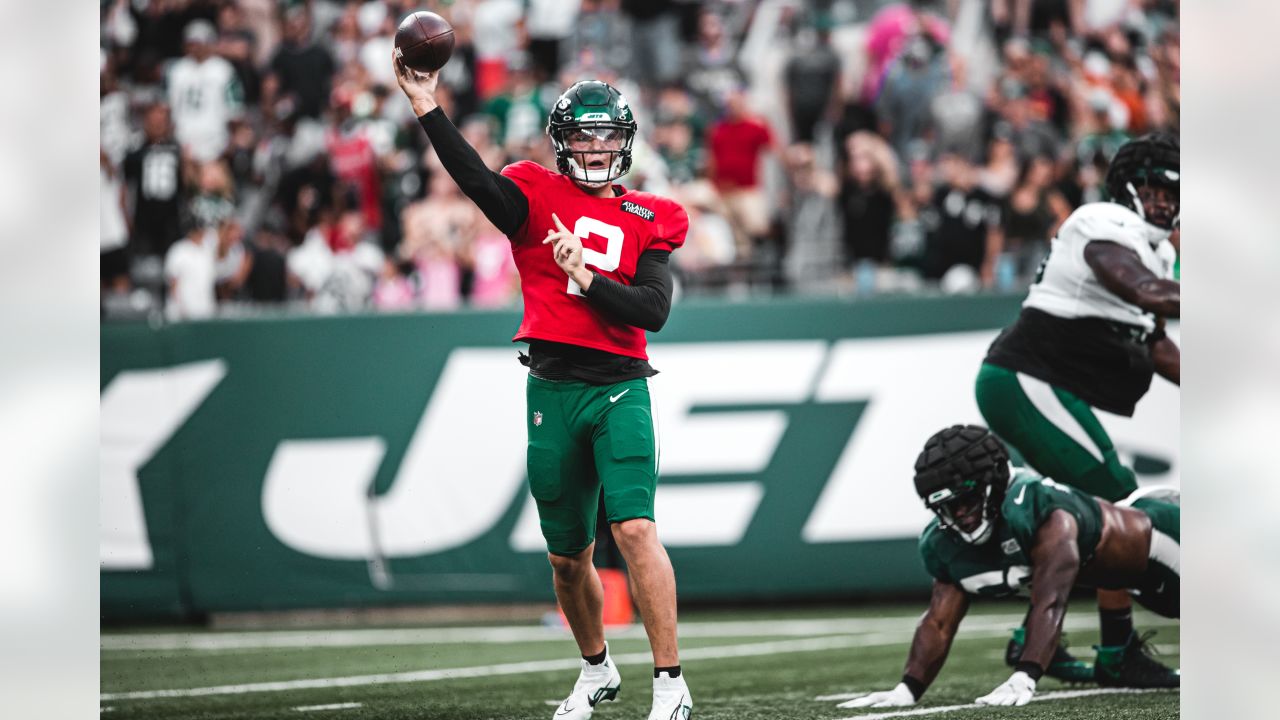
(465, 464)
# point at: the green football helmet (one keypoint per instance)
(591, 129)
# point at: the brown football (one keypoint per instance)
(424, 41)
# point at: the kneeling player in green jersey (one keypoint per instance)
(999, 531)
(1090, 337)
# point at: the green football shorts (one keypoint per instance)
(583, 438)
(1056, 432)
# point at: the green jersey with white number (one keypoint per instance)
(1002, 566)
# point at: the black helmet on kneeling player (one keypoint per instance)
(591, 129)
(1143, 176)
(962, 475)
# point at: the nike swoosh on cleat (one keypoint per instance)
(614, 398)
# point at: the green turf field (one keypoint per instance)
(739, 665)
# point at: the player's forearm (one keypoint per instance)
(1056, 562)
(646, 303)
(1168, 360)
(1162, 297)
(497, 197)
(932, 641)
(929, 649)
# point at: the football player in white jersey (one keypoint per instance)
(1091, 336)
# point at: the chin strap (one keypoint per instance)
(1137, 201)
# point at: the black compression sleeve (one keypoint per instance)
(646, 302)
(497, 196)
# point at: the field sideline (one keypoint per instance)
(741, 664)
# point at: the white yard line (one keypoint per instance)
(979, 626)
(335, 706)
(216, 641)
(637, 658)
(1053, 695)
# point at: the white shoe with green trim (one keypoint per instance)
(596, 684)
(671, 699)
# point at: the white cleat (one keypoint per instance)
(671, 699)
(596, 684)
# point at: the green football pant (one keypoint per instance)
(1160, 591)
(585, 439)
(1056, 432)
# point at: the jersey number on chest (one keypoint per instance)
(607, 260)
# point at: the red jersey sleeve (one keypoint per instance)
(530, 177)
(672, 224)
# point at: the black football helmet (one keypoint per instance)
(1147, 161)
(592, 118)
(962, 475)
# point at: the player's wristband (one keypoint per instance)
(1033, 670)
(916, 687)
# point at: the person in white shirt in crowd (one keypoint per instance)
(204, 94)
(113, 227)
(189, 272)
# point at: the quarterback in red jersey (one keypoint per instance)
(594, 263)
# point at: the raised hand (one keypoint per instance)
(420, 87)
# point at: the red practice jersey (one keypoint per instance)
(614, 232)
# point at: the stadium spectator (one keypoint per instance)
(204, 93)
(889, 32)
(519, 110)
(655, 27)
(810, 218)
(737, 143)
(494, 25)
(309, 265)
(919, 74)
(1032, 214)
(301, 72)
(266, 280)
(957, 115)
(868, 202)
(190, 271)
(237, 44)
(711, 69)
(708, 257)
(487, 260)
(153, 173)
(600, 37)
(811, 78)
(214, 196)
(394, 290)
(113, 230)
(962, 223)
(315, 137)
(1030, 136)
(1000, 172)
(548, 23)
(232, 262)
(354, 162)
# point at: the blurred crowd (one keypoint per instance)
(257, 153)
